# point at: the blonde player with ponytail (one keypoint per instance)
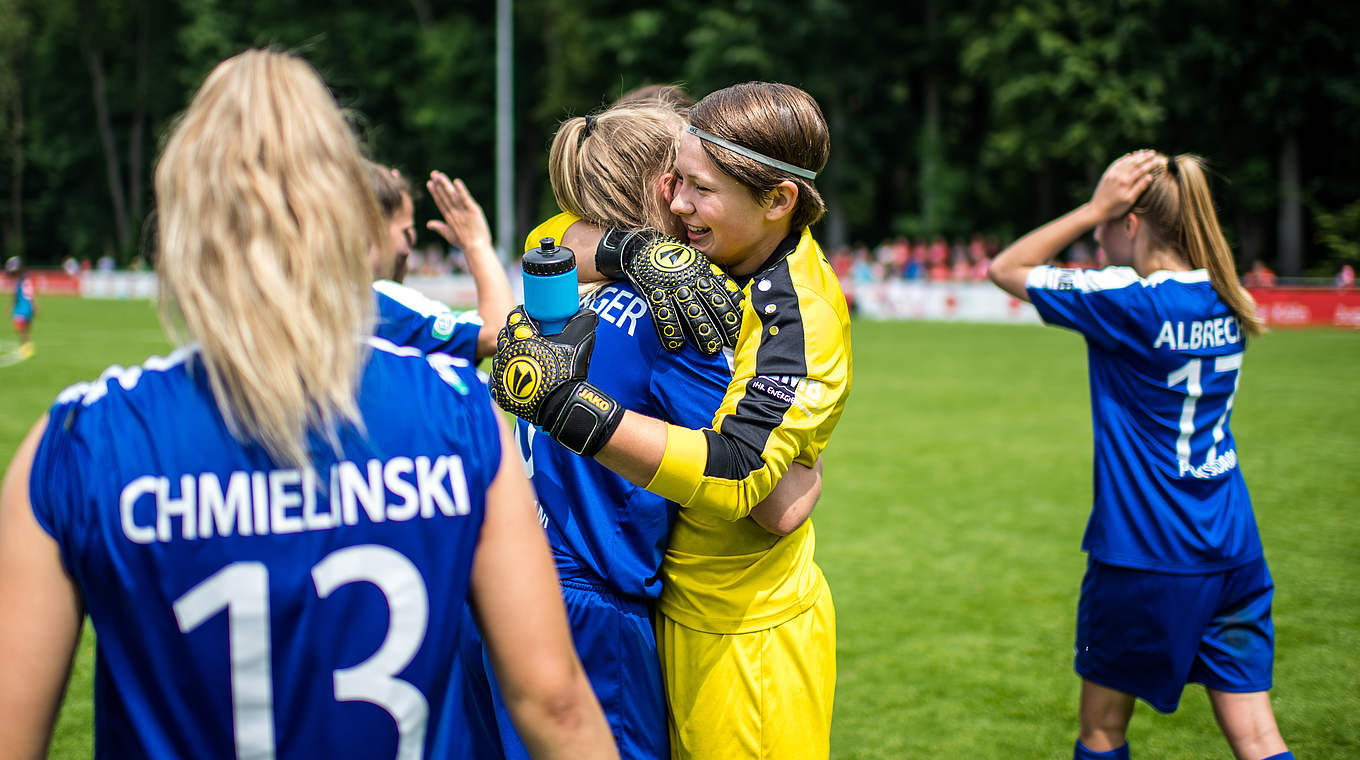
(273, 544)
(1177, 589)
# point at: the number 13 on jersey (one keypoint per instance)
(242, 589)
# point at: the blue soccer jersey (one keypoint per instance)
(407, 317)
(602, 528)
(245, 609)
(1165, 355)
(23, 298)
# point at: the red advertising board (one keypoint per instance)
(48, 282)
(1309, 307)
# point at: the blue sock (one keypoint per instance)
(1286, 755)
(1118, 753)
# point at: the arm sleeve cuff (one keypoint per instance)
(682, 465)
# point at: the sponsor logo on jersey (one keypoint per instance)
(443, 326)
(793, 390)
(521, 378)
(672, 257)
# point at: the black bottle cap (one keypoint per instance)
(549, 259)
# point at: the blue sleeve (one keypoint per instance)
(430, 331)
(1098, 303)
(56, 480)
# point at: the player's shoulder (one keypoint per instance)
(389, 293)
(800, 283)
(1105, 280)
(1194, 282)
(123, 399)
(404, 364)
(143, 380)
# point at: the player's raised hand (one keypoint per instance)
(464, 223)
(542, 379)
(1123, 182)
(689, 297)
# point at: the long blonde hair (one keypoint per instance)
(264, 223)
(1181, 217)
(605, 168)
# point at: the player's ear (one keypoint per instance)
(780, 201)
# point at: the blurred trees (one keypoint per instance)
(947, 118)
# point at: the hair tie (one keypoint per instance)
(1171, 166)
(590, 127)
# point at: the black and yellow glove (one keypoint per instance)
(690, 298)
(542, 379)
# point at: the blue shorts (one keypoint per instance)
(1148, 634)
(617, 646)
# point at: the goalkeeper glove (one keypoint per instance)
(689, 297)
(541, 378)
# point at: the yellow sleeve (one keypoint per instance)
(792, 373)
(555, 227)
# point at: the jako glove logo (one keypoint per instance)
(521, 378)
(672, 257)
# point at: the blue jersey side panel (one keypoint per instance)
(602, 528)
(1165, 355)
(407, 318)
(211, 573)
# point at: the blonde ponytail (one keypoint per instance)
(605, 168)
(1181, 214)
(265, 222)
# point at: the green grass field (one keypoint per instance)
(957, 488)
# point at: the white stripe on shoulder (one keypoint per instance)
(388, 347)
(89, 393)
(1163, 275)
(411, 298)
(1049, 277)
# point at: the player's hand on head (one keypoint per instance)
(542, 379)
(464, 223)
(1123, 182)
(690, 298)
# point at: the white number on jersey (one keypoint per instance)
(242, 588)
(1190, 375)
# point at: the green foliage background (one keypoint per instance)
(947, 118)
(956, 490)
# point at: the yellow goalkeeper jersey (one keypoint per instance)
(723, 573)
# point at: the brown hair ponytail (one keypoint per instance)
(1181, 213)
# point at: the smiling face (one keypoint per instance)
(722, 219)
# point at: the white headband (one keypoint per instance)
(759, 158)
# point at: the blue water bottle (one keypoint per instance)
(550, 291)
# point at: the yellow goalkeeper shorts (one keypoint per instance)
(764, 694)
